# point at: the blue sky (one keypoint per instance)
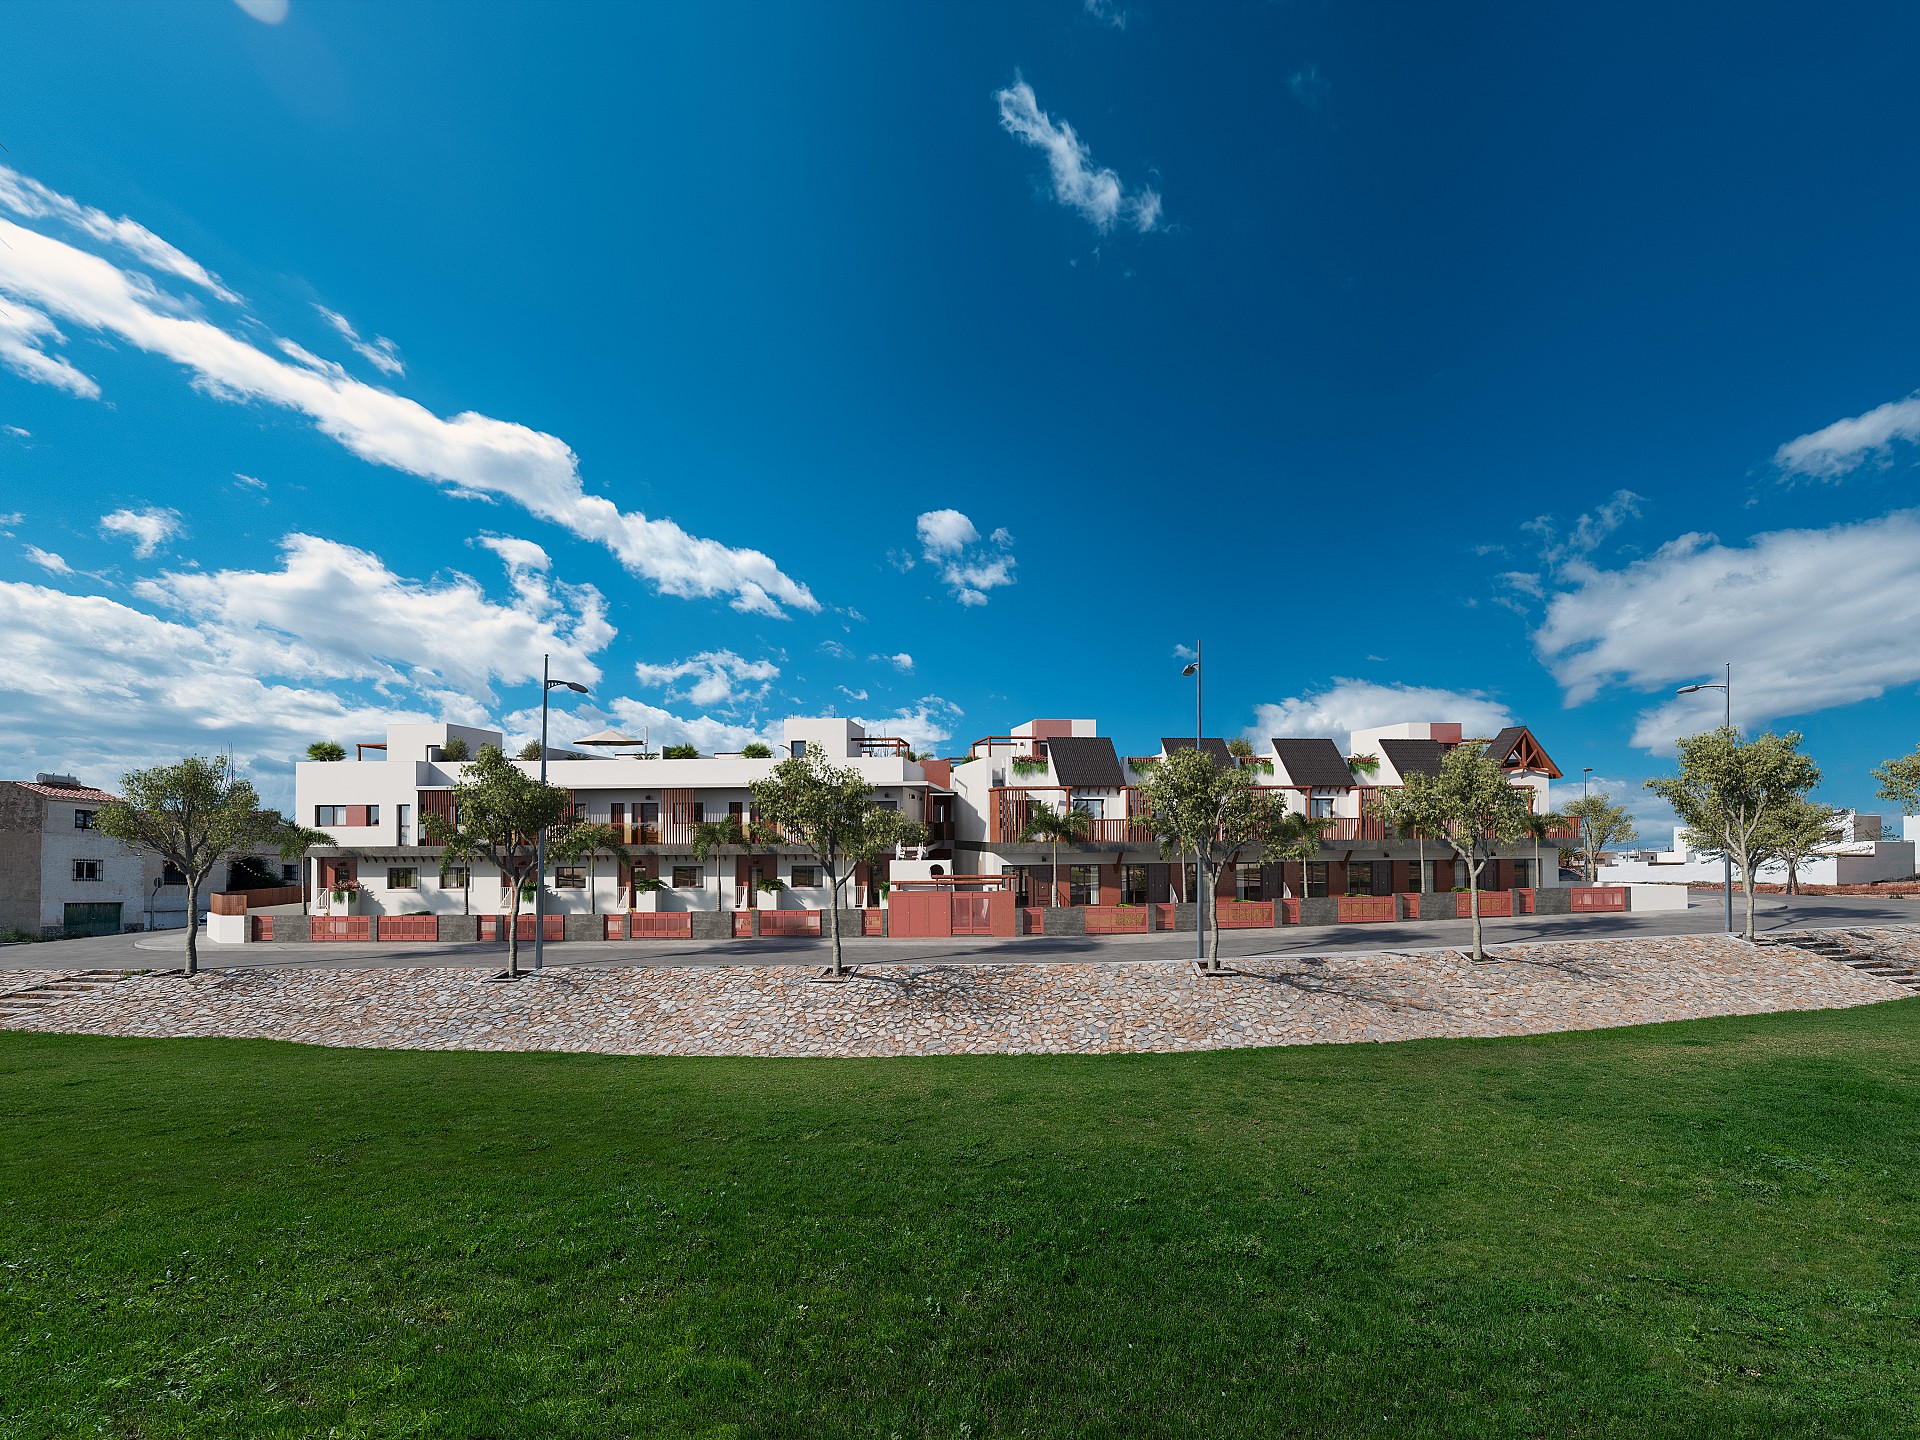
(952, 365)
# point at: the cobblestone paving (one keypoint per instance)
(899, 1009)
(1895, 943)
(12, 981)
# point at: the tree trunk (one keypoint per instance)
(1473, 905)
(1053, 877)
(1213, 929)
(1746, 884)
(833, 918)
(193, 923)
(593, 894)
(1793, 875)
(1420, 880)
(513, 931)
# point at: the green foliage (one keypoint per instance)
(498, 813)
(1473, 809)
(1196, 808)
(1900, 782)
(1363, 764)
(1055, 827)
(1659, 1232)
(457, 749)
(754, 750)
(588, 840)
(828, 811)
(1025, 765)
(1728, 790)
(680, 752)
(529, 751)
(1240, 748)
(326, 750)
(1603, 825)
(190, 813)
(1794, 832)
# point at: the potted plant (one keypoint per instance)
(1363, 764)
(342, 896)
(646, 892)
(767, 894)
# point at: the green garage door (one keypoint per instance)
(93, 918)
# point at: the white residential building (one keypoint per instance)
(1863, 855)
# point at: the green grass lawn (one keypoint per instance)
(1700, 1229)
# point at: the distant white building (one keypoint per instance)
(1862, 856)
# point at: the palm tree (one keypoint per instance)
(588, 839)
(458, 852)
(1539, 827)
(750, 836)
(1296, 835)
(1053, 826)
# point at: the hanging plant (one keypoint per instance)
(1363, 764)
(1029, 765)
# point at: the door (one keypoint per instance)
(92, 917)
(971, 915)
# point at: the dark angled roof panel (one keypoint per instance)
(1313, 762)
(1414, 757)
(1212, 744)
(1086, 762)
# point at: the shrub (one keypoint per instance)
(680, 752)
(326, 750)
(529, 751)
(755, 751)
(455, 749)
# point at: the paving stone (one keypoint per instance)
(1104, 1007)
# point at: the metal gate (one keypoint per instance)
(92, 917)
(971, 914)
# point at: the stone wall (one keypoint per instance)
(1064, 920)
(299, 929)
(458, 929)
(1551, 900)
(1323, 911)
(586, 927)
(712, 924)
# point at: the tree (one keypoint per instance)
(456, 749)
(1541, 824)
(1796, 832)
(529, 751)
(1602, 823)
(293, 839)
(1410, 812)
(750, 836)
(457, 852)
(1900, 782)
(326, 750)
(586, 840)
(1195, 808)
(680, 752)
(498, 813)
(754, 750)
(1728, 790)
(1474, 810)
(1295, 835)
(828, 811)
(190, 814)
(1053, 826)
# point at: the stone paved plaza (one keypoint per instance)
(1098, 1007)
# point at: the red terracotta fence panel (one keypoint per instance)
(1365, 909)
(1287, 912)
(1244, 914)
(873, 921)
(790, 924)
(341, 927)
(552, 927)
(1116, 919)
(742, 924)
(407, 927)
(1493, 903)
(615, 928)
(664, 925)
(262, 927)
(1599, 897)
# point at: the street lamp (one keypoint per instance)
(1726, 857)
(547, 683)
(1199, 905)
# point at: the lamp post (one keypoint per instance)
(1726, 857)
(1199, 902)
(547, 683)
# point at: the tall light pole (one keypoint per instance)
(547, 683)
(1199, 904)
(1726, 856)
(1586, 775)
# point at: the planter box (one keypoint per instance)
(408, 927)
(1114, 919)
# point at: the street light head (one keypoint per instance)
(1689, 689)
(1193, 669)
(566, 685)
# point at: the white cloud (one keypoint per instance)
(854, 695)
(470, 454)
(519, 556)
(1107, 12)
(31, 200)
(1309, 87)
(16, 431)
(48, 561)
(267, 12)
(1095, 191)
(969, 566)
(148, 529)
(9, 520)
(380, 352)
(332, 612)
(252, 482)
(1653, 818)
(96, 687)
(1349, 705)
(902, 661)
(719, 677)
(635, 717)
(927, 723)
(24, 333)
(1845, 445)
(1810, 619)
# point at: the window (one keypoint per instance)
(1249, 882)
(1316, 880)
(402, 877)
(402, 815)
(1190, 883)
(455, 878)
(290, 872)
(569, 877)
(86, 869)
(83, 819)
(1022, 885)
(699, 812)
(888, 804)
(172, 874)
(686, 877)
(324, 815)
(1133, 885)
(737, 810)
(1523, 875)
(373, 814)
(805, 877)
(799, 748)
(1083, 885)
(1320, 807)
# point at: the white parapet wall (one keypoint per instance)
(1657, 897)
(229, 929)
